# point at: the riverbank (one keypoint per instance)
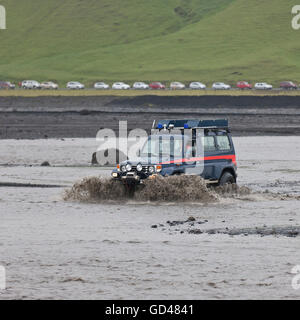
(82, 117)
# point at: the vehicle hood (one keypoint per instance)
(145, 161)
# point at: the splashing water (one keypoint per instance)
(95, 189)
(170, 189)
(176, 188)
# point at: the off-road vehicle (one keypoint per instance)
(176, 147)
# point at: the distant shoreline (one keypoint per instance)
(83, 116)
(89, 92)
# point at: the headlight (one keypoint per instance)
(123, 168)
(139, 167)
(151, 169)
(128, 167)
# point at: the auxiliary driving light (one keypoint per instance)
(151, 169)
(158, 168)
(139, 167)
(128, 167)
(123, 168)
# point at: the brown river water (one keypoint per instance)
(240, 243)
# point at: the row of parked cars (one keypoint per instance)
(75, 85)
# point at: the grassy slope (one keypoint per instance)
(203, 40)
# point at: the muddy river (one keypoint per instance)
(241, 245)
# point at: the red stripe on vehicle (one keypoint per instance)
(228, 157)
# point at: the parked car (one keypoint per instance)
(120, 86)
(101, 85)
(49, 85)
(157, 85)
(31, 84)
(75, 85)
(177, 86)
(243, 85)
(288, 85)
(197, 85)
(263, 86)
(221, 86)
(7, 85)
(140, 85)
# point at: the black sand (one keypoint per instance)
(73, 117)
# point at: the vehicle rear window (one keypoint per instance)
(223, 143)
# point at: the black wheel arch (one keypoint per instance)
(231, 171)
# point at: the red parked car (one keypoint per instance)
(157, 85)
(6, 85)
(244, 85)
(288, 85)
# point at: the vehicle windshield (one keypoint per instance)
(170, 146)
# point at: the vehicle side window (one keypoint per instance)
(209, 144)
(223, 143)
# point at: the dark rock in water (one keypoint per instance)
(101, 157)
(195, 231)
(154, 226)
(94, 158)
(45, 164)
(287, 231)
(191, 219)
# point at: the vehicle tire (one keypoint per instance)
(227, 178)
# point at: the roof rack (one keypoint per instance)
(191, 124)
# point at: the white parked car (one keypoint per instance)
(140, 85)
(120, 86)
(220, 86)
(177, 86)
(101, 85)
(197, 85)
(75, 85)
(263, 86)
(31, 84)
(49, 85)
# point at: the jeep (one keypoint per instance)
(176, 147)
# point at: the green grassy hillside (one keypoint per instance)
(207, 40)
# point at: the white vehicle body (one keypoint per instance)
(49, 85)
(197, 85)
(220, 86)
(120, 86)
(177, 86)
(263, 86)
(140, 85)
(31, 84)
(101, 85)
(75, 85)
